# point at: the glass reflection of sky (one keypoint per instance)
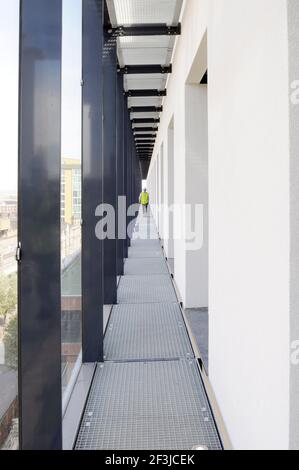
(71, 79)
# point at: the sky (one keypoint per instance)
(71, 87)
(9, 49)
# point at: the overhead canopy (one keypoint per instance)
(146, 31)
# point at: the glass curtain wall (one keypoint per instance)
(9, 56)
(71, 177)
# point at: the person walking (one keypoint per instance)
(144, 200)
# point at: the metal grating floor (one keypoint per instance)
(147, 406)
(146, 289)
(148, 395)
(150, 331)
(142, 252)
(143, 266)
(145, 243)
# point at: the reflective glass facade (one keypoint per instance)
(9, 52)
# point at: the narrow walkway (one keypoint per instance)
(148, 395)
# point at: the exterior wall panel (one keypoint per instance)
(248, 108)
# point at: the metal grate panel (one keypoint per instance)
(141, 266)
(145, 11)
(146, 289)
(145, 243)
(142, 81)
(147, 406)
(142, 252)
(152, 331)
(145, 55)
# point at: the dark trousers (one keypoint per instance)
(144, 207)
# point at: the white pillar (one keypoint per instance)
(249, 167)
(169, 188)
(161, 191)
(196, 162)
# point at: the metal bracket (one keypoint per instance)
(146, 109)
(145, 69)
(145, 93)
(145, 121)
(145, 30)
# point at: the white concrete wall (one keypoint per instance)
(249, 219)
(249, 197)
(194, 24)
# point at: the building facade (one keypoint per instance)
(230, 146)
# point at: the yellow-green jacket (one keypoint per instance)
(144, 198)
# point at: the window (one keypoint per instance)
(71, 295)
(9, 52)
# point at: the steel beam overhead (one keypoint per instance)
(146, 109)
(145, 136)
(145, 93)
(146, 30)
(145, 129)
(145, 121)
(145, 69)
(148, 137)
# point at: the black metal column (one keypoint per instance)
(109, 160)
(125, 127)
(39, 225)
(129, 171)
(121, 225)
(92, 189)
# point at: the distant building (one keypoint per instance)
(8, 215)
(71, 191)
(9, 207)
